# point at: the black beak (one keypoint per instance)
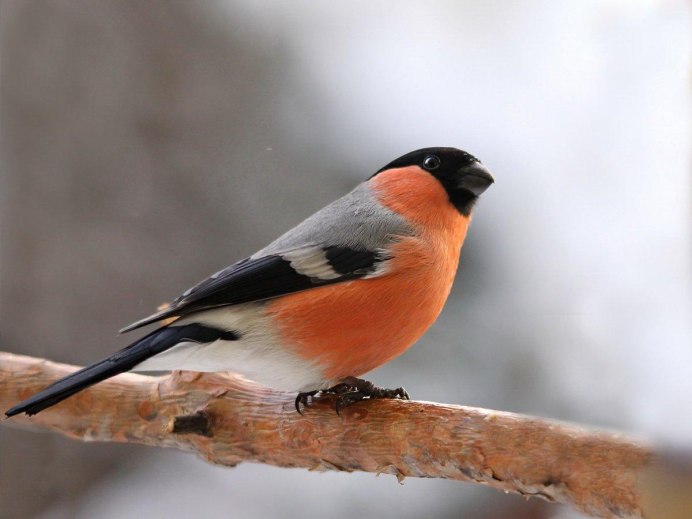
(475, 178)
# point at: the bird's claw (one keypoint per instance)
(304, 398)
(349, 391)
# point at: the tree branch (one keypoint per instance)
(227, 419)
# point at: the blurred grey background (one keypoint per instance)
(145, 145)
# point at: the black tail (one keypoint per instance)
(124, 360)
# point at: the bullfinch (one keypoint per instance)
(343, 292)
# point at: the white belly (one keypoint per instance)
(258, 354)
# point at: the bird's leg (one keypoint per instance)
(351, 390)
(368, 389)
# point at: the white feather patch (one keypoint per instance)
(382, 266)
(311, 262)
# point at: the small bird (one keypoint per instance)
(343, 292)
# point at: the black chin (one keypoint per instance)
(463, 200)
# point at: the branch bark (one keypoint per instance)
(227, 419)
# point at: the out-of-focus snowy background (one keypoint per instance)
(145, 145)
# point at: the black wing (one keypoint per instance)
(271, 276)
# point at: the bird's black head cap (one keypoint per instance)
(460, 173)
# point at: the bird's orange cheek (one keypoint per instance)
(418, 197)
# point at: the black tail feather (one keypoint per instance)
(124, 360)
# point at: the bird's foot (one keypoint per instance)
(351, 390)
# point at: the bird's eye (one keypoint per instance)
(431, 162)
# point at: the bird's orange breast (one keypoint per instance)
(351, 328)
